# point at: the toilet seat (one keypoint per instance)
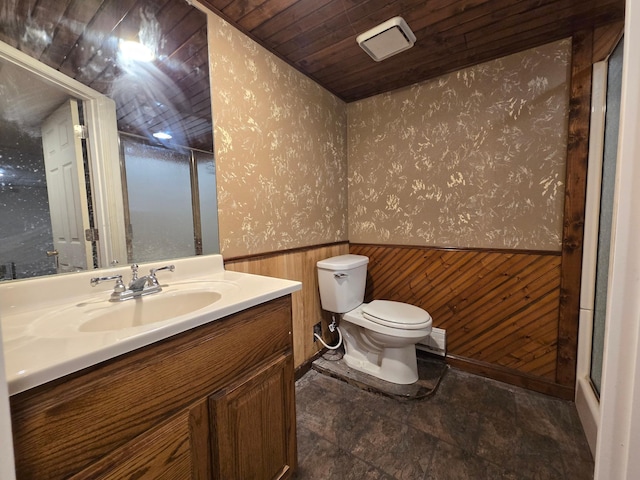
(396, 315)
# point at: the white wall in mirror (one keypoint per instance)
(101, 148)
(168, 91)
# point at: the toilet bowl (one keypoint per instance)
(379, 337)
(374, 346)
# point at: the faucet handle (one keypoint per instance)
(118, 278)
(134, 272)
(153, 271)
(153, 280)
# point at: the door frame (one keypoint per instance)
(587, 403)
(102, 146)
(619, 438)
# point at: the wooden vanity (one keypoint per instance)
(214, 402)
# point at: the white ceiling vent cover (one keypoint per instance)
(388, 38)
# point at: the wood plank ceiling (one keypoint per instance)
(318, 36)
(81, 38)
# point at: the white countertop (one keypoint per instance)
(37, 350)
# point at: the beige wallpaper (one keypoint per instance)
(280, 144)
(475, 158)
(470, 159)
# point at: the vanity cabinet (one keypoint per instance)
(214, 402)
(252, 416)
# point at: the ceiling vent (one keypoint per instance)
(388, 38)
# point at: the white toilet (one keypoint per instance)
(379, 337)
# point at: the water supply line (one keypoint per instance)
(332, 328)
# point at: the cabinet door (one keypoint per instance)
(176, 449)
(253, 425)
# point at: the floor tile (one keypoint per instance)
(324, 460)
(471, 428)
(452, 463)
(400, 450)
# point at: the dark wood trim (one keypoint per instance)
(306, 366)
(511, 377)
(605, 39)
(574, 207)
(460, 249)
(265, 255)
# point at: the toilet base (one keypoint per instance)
(392, 364)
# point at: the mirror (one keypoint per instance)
(132, 80)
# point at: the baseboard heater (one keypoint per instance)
(435, 343)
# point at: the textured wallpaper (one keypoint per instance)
(475, 158)
(280, 144)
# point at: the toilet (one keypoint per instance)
(379, 337)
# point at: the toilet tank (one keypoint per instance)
(341, 281)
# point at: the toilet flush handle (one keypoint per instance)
(340, 275)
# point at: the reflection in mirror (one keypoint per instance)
(151, 59)
(24, 222)
(42, 227)
(165, 207)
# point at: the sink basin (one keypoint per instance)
(97, 314)
(147, 310)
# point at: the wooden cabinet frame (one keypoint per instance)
(147, 414)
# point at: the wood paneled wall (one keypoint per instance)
(500, 308)
(300, 265)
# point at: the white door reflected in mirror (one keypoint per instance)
(66, 190)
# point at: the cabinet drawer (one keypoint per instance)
(176, 449)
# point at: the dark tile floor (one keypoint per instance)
(472, 428)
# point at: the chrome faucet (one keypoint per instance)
(138, 286)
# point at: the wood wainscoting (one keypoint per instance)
(298, 264)
(500, 308)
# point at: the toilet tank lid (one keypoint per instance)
(343, 262)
